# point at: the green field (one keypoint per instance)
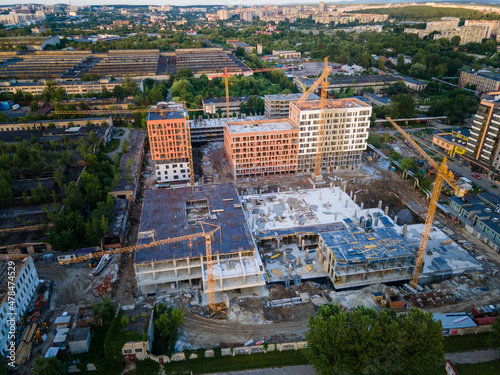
(466, 343)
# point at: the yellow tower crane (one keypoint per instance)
(207, 234)
(322, 80)
(442, 175)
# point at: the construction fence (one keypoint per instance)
(176, 357)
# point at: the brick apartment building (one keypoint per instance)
(263, 147)
(168, 137)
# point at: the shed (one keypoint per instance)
(454, 323)
(79, 340)
(52, 352)
(61, 337)
(62, 320)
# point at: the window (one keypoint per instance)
(127, 351)
(176, 177)
(139, 350)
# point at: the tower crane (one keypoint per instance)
(207, 234)
(322, 80)
(442, 175)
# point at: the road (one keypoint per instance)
(289, 370)
(475, 356)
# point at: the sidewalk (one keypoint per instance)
(475, 356)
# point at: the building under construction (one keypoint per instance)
(310, 234)
(170, 214)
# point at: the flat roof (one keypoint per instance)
(173, 111)
(164, 212)
(261, 126)
(455, 320)
(333, 103)
(290, 97)
(360, 247)
(223, 99)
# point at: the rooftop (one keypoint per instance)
(223, 99)
(358, 247)
(455, 320)
(260, 126)
(290, 97)
(489, 74)
(364, 79)
(166, 212)
(172, 111)
(332, 104)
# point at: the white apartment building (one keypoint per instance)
(25, 281)
(345, 131)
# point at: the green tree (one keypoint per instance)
(48, 366)
(402, 106)
(494, 336)
(167, 322)
(366, 342)
(104, 310)
(6, 193)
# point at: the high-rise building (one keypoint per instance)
(168, 139)
(24, 278)
(223, 14)
(321, 6)
(484, 139)
(345, 131)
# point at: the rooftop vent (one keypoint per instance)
(496, 219)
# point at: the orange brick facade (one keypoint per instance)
(261, 153)
(168, 139)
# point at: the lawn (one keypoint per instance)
(237, 363)
(466, 343)
(484, 368)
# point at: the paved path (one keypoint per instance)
(288, 370)
(475, 356)
(125, 135)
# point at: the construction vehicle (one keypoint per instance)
(442, 175)
(208, 235)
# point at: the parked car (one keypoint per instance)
(476, 175)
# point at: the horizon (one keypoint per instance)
(192, 3)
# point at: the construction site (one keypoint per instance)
(289, 220)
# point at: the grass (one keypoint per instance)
(237, 363)
(466, 343)
(483, 368)
(111, 145)
(147, 367)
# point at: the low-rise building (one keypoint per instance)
(79, 340)
(357, 83)
(261, 148)
(453, 143)
(71, 87)
(480, 216)
(287, 54)
(212, 105)
(484, 80)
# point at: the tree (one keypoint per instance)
(48, 366)
(366, 342)
(402, 106)
(494, 337)
(104, 310)
(167, 322)
(455, 41)
(4, 368)
(6, 193)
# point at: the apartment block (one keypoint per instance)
(261, 148)
(278, 106)
(493, 24)
(484, 137)
(71, 87)
(484, 80)
(467, 34)
(345, 131)
(25, 280)
(168, 138)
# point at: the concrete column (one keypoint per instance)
(379, 205)
(345, 187)
(284, 256)
(396, 219)
(350, 194)
(386, 211)
(354, 199)
(355, 213)
(335, 216)
(405, 229)
(362, 205)
(279, 242)
(290, 269)
(298, 262)
(307, 254)
(346, 203)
